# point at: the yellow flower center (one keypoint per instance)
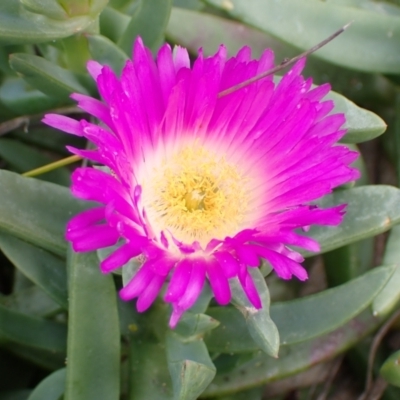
(196, 195)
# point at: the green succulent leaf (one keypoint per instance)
(113, 24)
(251, 394)
(321, 313)
(32, 301)
(348, 262)
(36, 211)
(83, 7)
(260, 369)
(23, 158)
(193, 326)
(369, 44)
(31, 331)
(50, 8)
(149, 21)
(195, 30)
(93, 332)
(47, 359)
(148, 371)
(23, 24)
(106, 52)
(45, 76)
(388, 298)
(44, 269)
(370, 210)
(361, 124)
(259, 323)
(390, 369)
(190, 367)
(50, 388)
(19, 97)
(301, 319)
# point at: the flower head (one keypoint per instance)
(201, 186)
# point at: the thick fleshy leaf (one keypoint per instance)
(22, 99)
(113, 23)
(346, 263)
(32, 301)
(148, 371)
(93, 332)
(50, 388)
(321, 313)
(387, 299)
(45, 76)
(390, 369)
(370, 210)
(251, 394)
(93, 343)
(49, 8)
(301, 319)
(82, 7)
(36, 211)
(104, 51)
(195, 30)
(190, 367)
(18, 25)
(48, 138)
(259, 323)
(192, 326)
(190, 4)
(47, 359)
(23, 158)
(370, 44)
(32, 331)
(41, 267)
(261, 369)
(361, 124)
(232, 334)
(149, 22)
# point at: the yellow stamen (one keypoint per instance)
(196, 195)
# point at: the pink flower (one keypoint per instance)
(202, 186)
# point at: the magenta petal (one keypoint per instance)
(94, 69)
(93, 237)
(228, 263)
(119, 257)
(138, 283)
(179, 281)
(249, 288)
(195, 285)
(283, 265)
(181, 58)
(164, 264)
(86, 218)
(247, 256)
(219, 283)
(176, 315)
(63, 123)
(150, 293)
(94, 107)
